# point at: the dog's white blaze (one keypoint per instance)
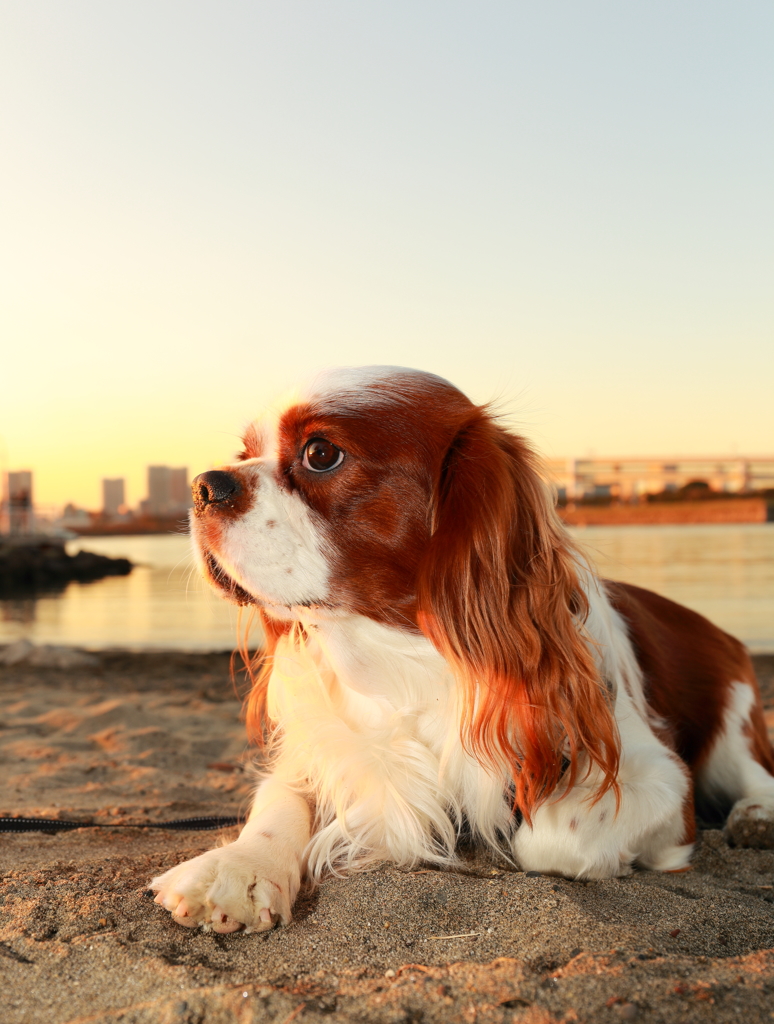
(354, 386)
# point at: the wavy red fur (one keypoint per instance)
(259, 668)
(499, 596)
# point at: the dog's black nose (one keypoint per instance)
(214, 488)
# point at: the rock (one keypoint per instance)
(43, 562)
(51, 656)
(46, 656)
(627, 1011)
(17, 652)
(751, 824)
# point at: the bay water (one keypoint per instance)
(726, 572)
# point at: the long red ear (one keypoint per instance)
(258, 668)
(498, 595)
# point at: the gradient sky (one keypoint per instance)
(565, 206)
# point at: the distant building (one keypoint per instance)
(17, 510)
(73, 516)
(179, 489)
(113, 497)
(158, 490)
(168, 491)
(629, 478)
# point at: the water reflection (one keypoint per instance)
(726, 572)
(162, 603)
(19, 609)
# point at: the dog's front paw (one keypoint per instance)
(245, 885)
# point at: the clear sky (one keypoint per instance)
(565, 206)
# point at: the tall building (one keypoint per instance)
(17, 503)
(179, 489)
(158, 490)
(113, 496)
(168, 491)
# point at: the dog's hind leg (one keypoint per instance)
(576, 836)
(740, 771)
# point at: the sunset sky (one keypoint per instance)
(563, 206)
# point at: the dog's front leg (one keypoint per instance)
(251, 883)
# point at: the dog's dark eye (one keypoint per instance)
(321, 456)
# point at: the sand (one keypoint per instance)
(144, 737)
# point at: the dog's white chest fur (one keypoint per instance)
(367, 716)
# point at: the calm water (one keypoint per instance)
(724, 572)
(162, 603)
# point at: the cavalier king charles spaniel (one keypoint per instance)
(440, 660)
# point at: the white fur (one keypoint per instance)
(368, 724)
(282, 564)
(731, 772)
(274, 549)
(357, 386)
(252, 882)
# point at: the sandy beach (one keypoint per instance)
(148, 737)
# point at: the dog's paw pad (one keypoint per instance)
(224, 924)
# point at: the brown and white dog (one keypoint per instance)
(439, 658)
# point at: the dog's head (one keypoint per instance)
(387, 493)
(330, 505)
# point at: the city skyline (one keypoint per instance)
(90, 493)
(167, 489)
(167, 492)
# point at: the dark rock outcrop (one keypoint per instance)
(42, 564)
